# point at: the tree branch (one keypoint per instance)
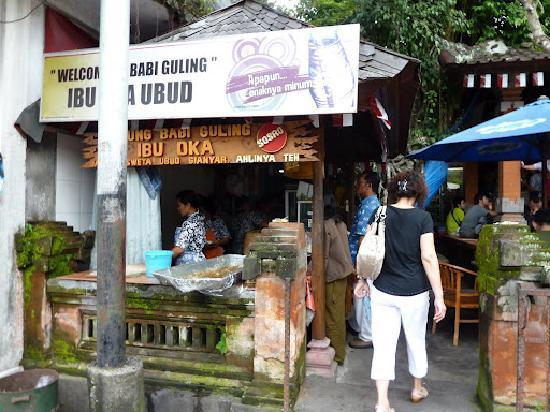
(539, 36)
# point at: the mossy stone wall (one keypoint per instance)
(506, 255)
(44, 250)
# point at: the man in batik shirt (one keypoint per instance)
(367, 187)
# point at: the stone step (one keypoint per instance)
(195, 383)
(193, 366)
(203, 368)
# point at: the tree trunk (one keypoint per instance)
(539, 36)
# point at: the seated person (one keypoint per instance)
(541, 220)
(534, 205)
(476, 216)
(247, 220)
(455, 216)
(217, 234)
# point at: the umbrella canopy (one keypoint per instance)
(520, 135)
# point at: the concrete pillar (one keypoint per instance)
(117, 389)
(21, 46)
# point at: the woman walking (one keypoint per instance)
(399, 295)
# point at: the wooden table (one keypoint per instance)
(134, 274)
(459, 251)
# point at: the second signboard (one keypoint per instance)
(219, 143)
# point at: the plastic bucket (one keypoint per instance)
(33, 390)
(157, 260)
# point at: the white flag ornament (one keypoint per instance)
(469, 80)
(520, 80)
(347, 120)
(502, 81)
(538, 79)
(379, 111)
(485, 81)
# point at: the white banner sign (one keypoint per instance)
(280, 73)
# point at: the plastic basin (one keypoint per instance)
(33, 390)
(157, 260)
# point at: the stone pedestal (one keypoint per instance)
(280, 251)
(508, 255)
(320, 359)
(117, 389)
(512, 210)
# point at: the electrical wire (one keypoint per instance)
(25, 16)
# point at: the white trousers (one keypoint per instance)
(389, 312)
(358, 320)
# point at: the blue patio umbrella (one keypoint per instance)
(520, 135)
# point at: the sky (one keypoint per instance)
(286, 3)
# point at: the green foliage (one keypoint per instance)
(185, 11)
(63, 351)
(416, 28)
(499, 19)
(327, 12)
(221, 346)
(410, 27)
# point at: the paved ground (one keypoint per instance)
(451, 379)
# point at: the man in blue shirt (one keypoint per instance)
(367, 187)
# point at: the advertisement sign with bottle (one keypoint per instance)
(277, 73)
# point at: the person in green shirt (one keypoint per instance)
(455, 216)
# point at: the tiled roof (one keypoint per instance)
(250, 16)
(489, 52)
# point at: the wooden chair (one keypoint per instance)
(456, 297)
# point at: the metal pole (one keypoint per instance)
(111, 183)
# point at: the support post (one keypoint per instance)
(114, 382)
(111, 183)
(317, 252)
(509, 201)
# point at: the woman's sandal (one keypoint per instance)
(418, 395)
(378, 408)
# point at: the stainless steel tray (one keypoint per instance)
(195, 276)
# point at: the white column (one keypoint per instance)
(21, 47)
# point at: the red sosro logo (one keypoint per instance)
(271, 138)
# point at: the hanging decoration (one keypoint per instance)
(520, 80)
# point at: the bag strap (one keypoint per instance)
(454, 218)
(380, 217)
